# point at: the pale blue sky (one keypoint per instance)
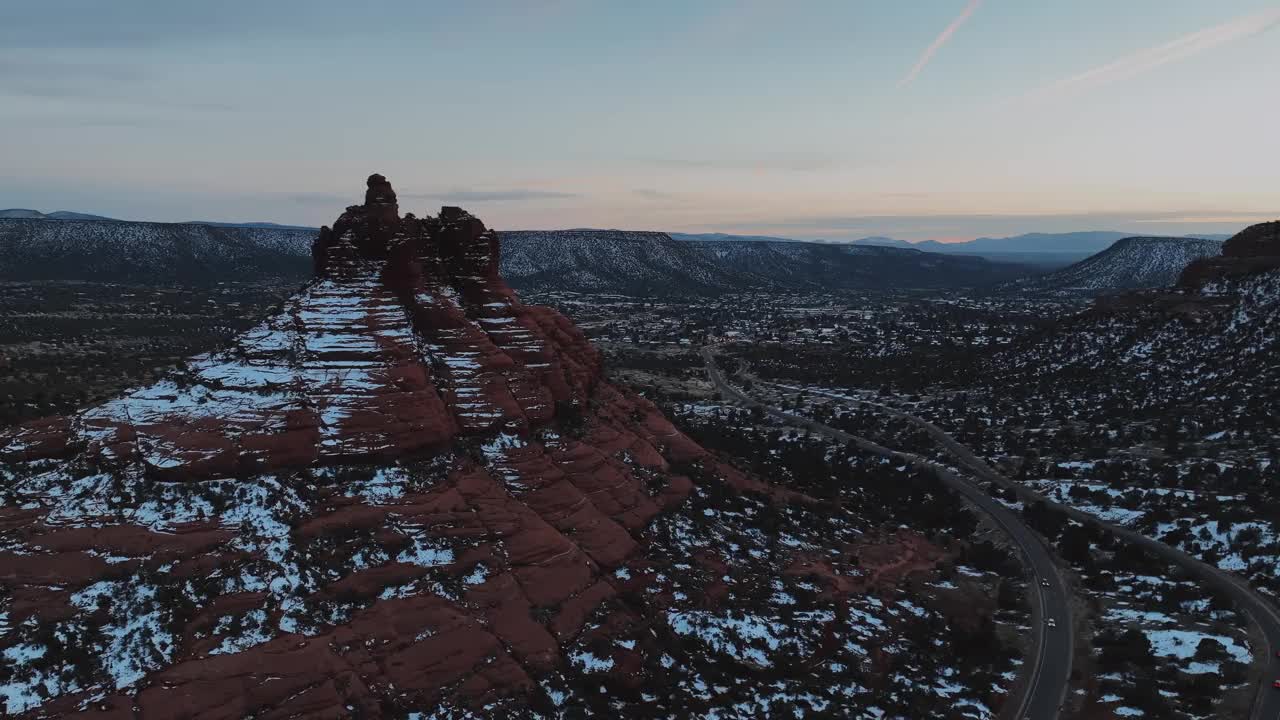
(798, 118)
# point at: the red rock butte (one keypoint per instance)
(1254, 250)
(406, 487)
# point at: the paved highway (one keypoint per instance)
(1047, 673)
(1260, 611)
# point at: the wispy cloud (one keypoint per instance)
(130, 24)
(99, 83)
(1151, 58)
(939, 41)
(49, 121)
(492, 195)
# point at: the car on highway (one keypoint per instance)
(1051, 622)
(1276, 684)
(1044, 582)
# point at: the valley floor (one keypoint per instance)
(1155, 640)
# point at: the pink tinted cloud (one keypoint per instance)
(939, 41)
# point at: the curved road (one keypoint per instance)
(1260, 611)
(1046, 676)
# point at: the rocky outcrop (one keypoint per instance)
(1261, 240)
(1253, 250)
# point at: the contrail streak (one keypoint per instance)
(1151, 58)
(939, 41)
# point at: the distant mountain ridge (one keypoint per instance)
(646, 263)
(588, 260)
(799, 265)
(1130, 263)
(264, 225)
(1005, 248)
(608, 261)
(604, 261)
(1045, 251)
(1083, 243)
(149, 253)
(721, 237)
(25, 214)
(1078, 243)
(28, 214)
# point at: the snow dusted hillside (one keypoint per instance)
(611, 261)
(640, 263)
(1210, 355)
(149, 253)
(1130, 264)
(1162, 406)
(847, 266)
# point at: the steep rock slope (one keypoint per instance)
(1129, 264)
(1212, 352)
(148, 253)
(410, 493)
